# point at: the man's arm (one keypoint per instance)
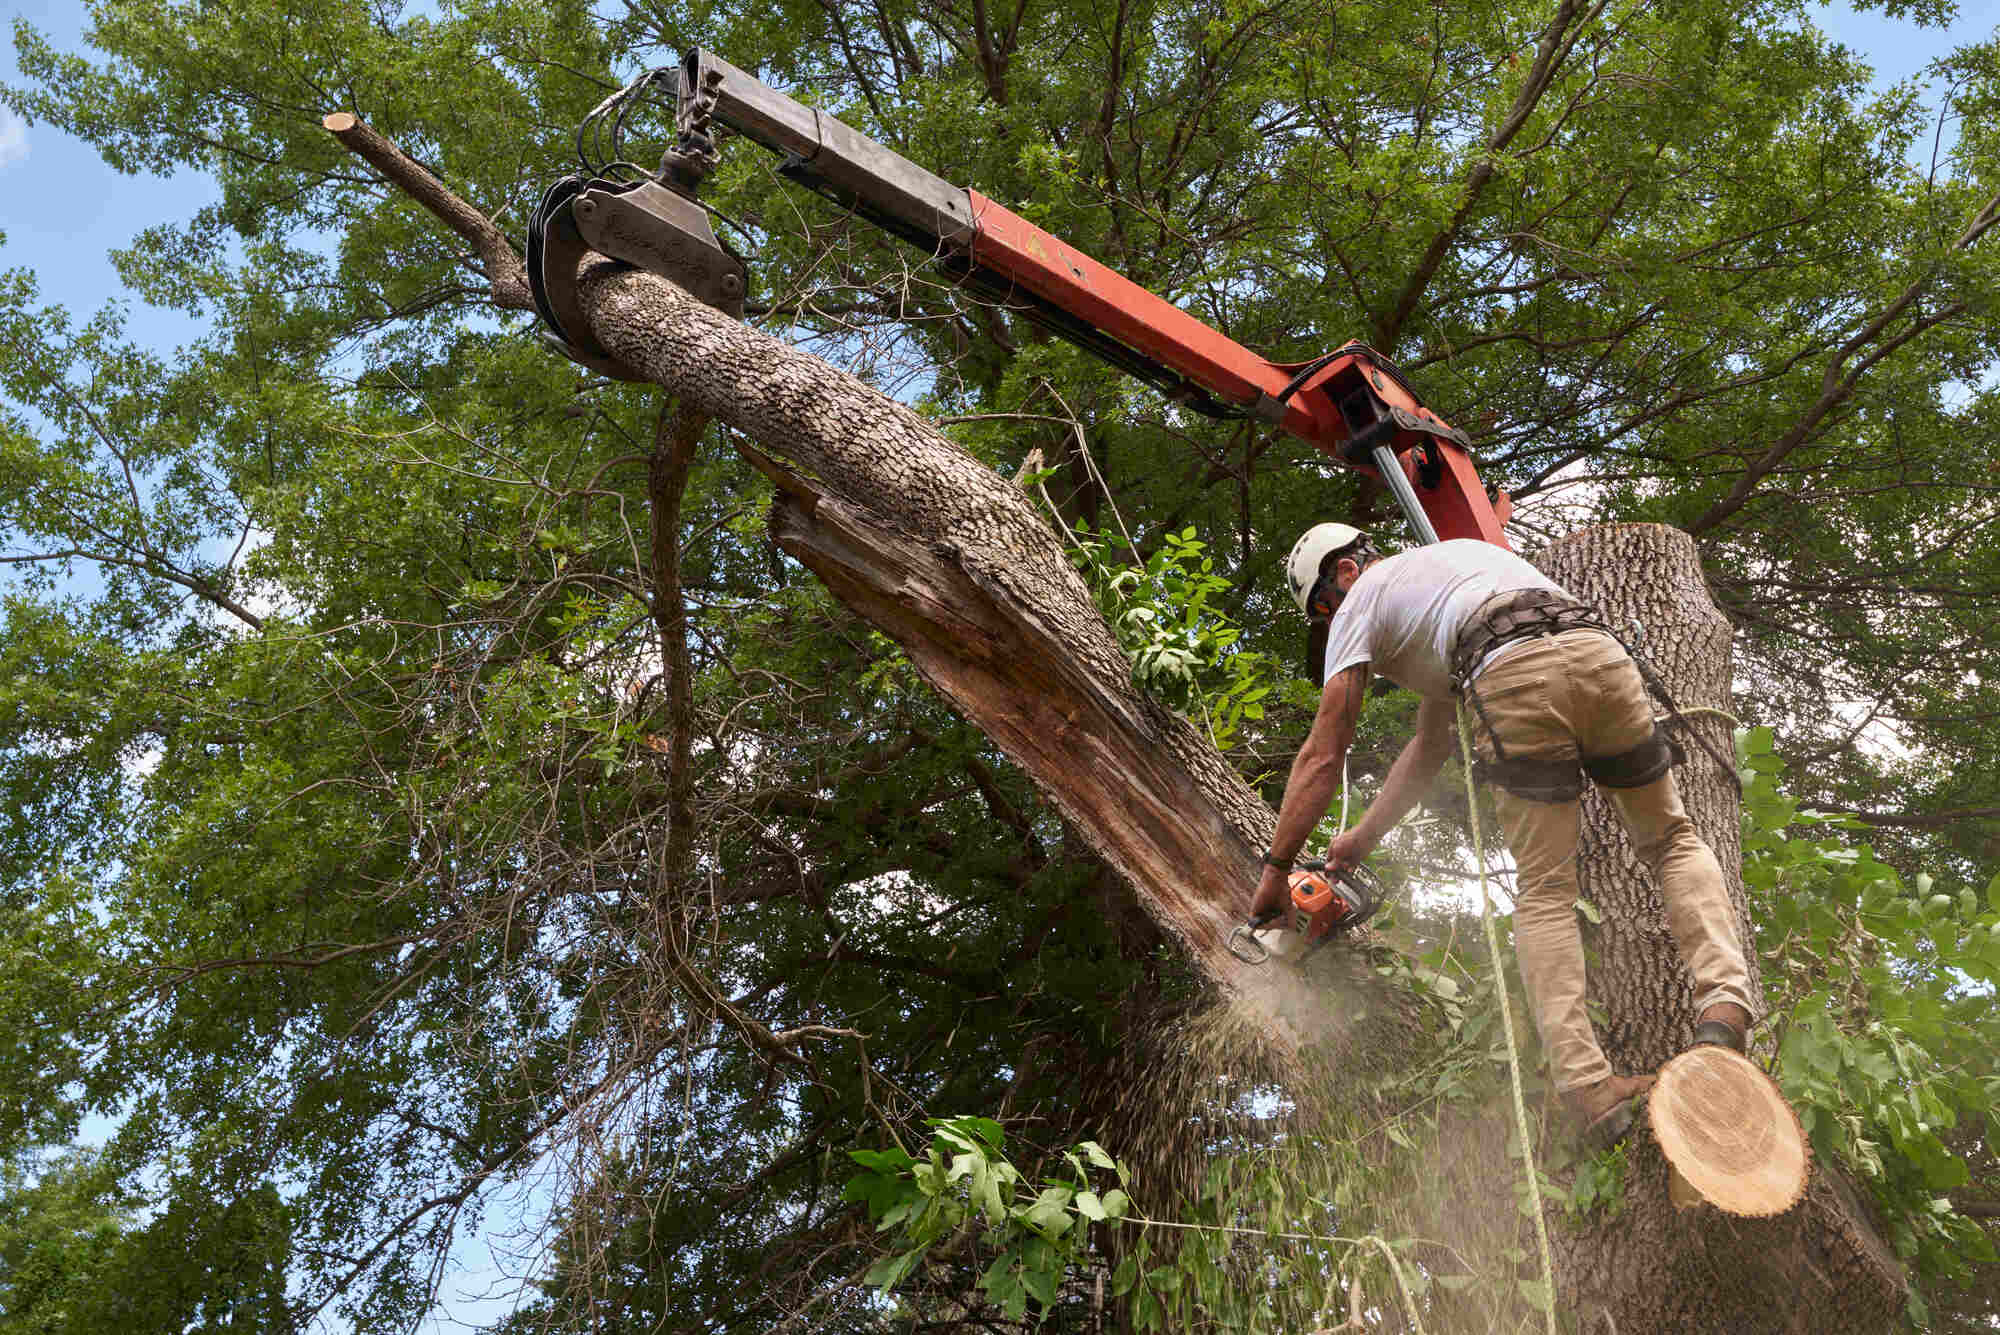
(1409, 779)
(1315, 775)
(1316, 769)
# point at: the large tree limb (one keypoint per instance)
(504, 270)
(1557, 41)
(957, 565)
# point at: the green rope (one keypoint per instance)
(1507, 1027)
(1396, 1269)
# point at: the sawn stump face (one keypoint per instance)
(1727, 1130)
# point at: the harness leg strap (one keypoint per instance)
(1636, 768)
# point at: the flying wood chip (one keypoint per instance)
(1729, 1133)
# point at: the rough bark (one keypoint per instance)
(1821, 1266)
(954, 562)
(504, 274)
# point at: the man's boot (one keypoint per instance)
(1724, 1025)
(1603, 1112)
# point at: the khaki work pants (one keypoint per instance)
(1579, 693)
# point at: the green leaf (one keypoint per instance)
(889, 1271)
(986, 1196)
(1002, 1282)
(1041, 1284)
(1049, 1211)
(1148, 1313)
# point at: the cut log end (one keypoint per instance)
(338, 122)
(1733, 1141)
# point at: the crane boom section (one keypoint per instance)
(1351, 404)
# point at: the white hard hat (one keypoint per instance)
(1302, 566)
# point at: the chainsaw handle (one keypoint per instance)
(1258, 921)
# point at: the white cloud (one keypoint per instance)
(13, 137)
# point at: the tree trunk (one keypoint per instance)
(1820, 1267)
(953, 562)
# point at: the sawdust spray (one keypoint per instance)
(1345, 1157)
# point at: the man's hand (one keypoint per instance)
(1349, 850)
(1273, 894)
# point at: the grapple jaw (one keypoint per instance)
(660, 230)
(651, 223)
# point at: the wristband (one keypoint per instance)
(1282, 864)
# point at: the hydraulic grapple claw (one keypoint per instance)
(651, 222)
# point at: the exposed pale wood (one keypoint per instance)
(1728, 1132)
(956, 564)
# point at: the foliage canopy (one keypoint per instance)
(422, 776)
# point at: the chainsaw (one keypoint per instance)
(1327, 907)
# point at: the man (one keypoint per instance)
(1556, 697)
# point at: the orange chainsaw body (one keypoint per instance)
(1322, 907)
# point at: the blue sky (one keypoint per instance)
(63, 211)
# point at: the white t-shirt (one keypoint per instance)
(1404, 613)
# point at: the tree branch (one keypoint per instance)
(1554, 48)
(675, 436)
(153, 566)
(504, 271)
(1835, 387)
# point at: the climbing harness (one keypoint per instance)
(1659, 691)
(1536, 613)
